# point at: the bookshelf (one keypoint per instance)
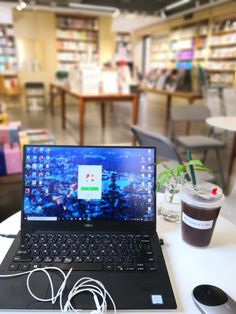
(210, 44)
(188, 45)
(8, 60)
(76, 40)
(124, 49)
(160, 54)
(222, 51)
(181, 47)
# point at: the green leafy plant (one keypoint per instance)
(175, 175)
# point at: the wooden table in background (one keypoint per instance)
(83, 98)
(189, 96)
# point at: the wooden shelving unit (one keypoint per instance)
(160, 54)
(8, 60)
(222, 51)
(77, 40)
(124, 49)
(180, 47)
(211, 44)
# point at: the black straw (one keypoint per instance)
(192, 173)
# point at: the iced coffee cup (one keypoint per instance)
(200, 208)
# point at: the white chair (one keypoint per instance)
(229, 97)
(213, 102)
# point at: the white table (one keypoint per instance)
(187, 266)
(228, 124)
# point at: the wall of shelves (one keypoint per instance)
(210, 44)
(76, 40)
(181, 47)
(222, 51)
(8, 60)
(206, 38)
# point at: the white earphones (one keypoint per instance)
(85, 284)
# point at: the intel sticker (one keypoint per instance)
(157, 299)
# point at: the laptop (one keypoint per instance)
(91, 209)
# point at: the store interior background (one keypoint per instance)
(36, 58)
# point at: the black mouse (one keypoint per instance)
(212, 300)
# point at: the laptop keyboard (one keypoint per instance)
(85, 252)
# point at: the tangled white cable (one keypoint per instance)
(86, 284)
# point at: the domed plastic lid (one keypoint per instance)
(205, 194)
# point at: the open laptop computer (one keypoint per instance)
(91, 209)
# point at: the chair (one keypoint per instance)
(213, 101)
(198, 142)
(229, 97)
(165, 149)
(34, 92)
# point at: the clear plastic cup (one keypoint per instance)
(200, 209)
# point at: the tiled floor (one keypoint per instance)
(117, 131)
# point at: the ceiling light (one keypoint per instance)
(90, 7)
(162, 14)
(116, 13)
(21, 5)
(176, 4)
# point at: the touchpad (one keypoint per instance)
(15, 295)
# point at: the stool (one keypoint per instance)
(34, 92)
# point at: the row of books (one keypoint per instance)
(176, 79)
(77, 23)
(223, 39)
(75, 56)
(78, 35)
(224, 26)
(224, 65)
(76, 45)
(189, 32)
(227, 78)
(224, 52)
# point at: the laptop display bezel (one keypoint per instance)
(30, 225)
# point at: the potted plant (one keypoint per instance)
(175, 176)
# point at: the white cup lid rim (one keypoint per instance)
(206, 195)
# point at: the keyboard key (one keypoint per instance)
(24, 267)
(68, 260)
(22, 259)
(109, 267)
(37, 259)
(120, 268)
(13, 267)
(141, 268)
(151, 268)
(130, 268)
(34, 266)
(89, 266)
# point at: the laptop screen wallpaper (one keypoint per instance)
(88, 183)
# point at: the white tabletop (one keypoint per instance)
(187, 266)
(225, 123)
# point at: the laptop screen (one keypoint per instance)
(72, 183)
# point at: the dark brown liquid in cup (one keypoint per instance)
(198, 237)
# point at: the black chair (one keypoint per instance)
(35, 93)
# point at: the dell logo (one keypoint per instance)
(88, 225)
